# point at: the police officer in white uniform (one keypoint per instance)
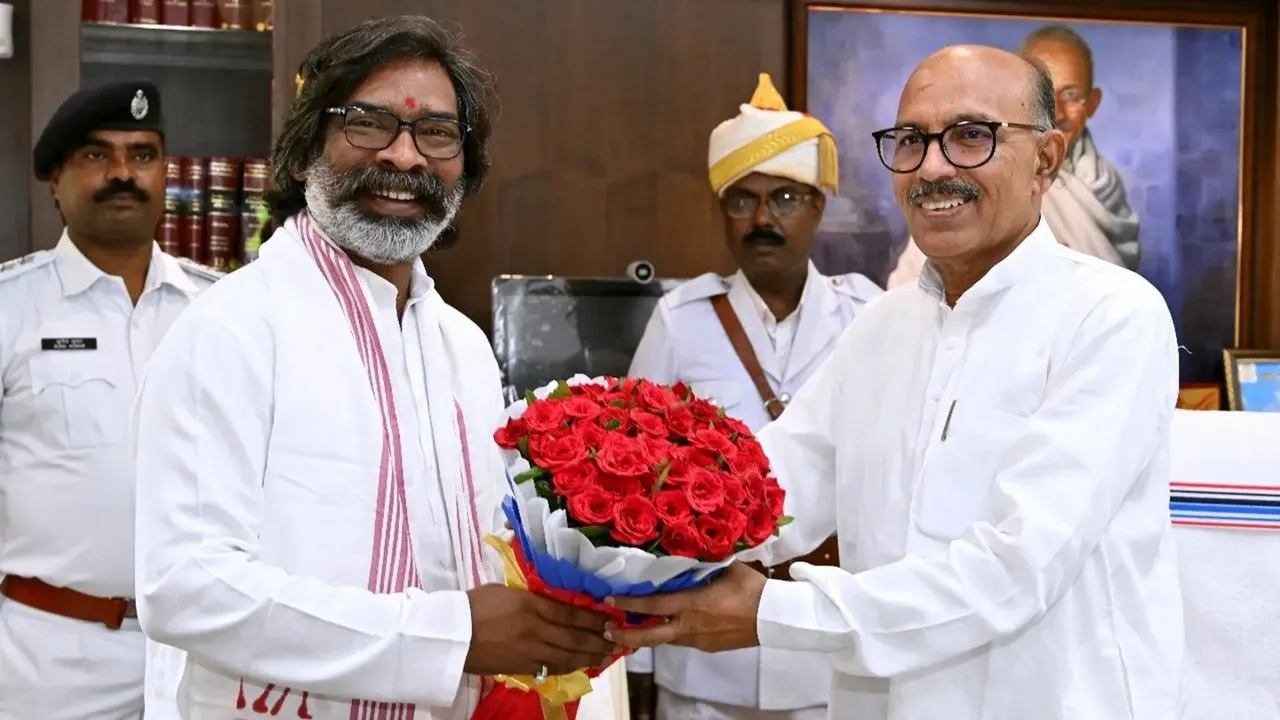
(77, 325)
(749, 341)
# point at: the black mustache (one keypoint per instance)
(372, 180)
(764, 236)
(958, 188)
(121, 187)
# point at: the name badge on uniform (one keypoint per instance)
(69, 343)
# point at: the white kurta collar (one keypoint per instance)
(1005, 273)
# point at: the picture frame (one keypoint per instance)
(1200, 396)
(1253, 380)
(1214, 310)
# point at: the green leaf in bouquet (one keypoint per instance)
(612, 424)
(529, 397)
(533, 473)
(785, 520)
(545, 490)
(594, 532)
(562, 390)
(721, 412)
(662, 478)
(524, 446)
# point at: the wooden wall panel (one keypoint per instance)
(600, 148)
(15, 138)
(55, 49)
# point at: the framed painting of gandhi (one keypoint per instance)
(1153, 105)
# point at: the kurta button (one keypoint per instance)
(784, 398)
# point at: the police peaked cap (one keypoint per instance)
(126, 106)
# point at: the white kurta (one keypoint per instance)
(998, 474)
(258, 448)
(684, 341)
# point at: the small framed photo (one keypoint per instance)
(1253, 380)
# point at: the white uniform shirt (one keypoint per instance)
(685, 341)
(998, 475)
(72, 348)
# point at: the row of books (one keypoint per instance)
(256, 15)
(215, 212)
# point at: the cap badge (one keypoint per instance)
(139, 107)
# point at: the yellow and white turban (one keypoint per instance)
(767, 138)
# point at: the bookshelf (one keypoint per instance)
(213, 62)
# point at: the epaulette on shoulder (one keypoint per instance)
(201, 271)
(855, 285)
(700, 288)
(25, 264)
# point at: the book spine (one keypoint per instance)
(109, 11)
(220, 229)
(176, 12)
(204, 14)
(195, 188)
(264, 15)
(168, 235)
(234, 15)
(144, 12)
(255, 219)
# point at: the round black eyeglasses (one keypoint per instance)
(966, 144)
(438, 138)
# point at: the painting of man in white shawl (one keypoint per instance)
(1151, 177)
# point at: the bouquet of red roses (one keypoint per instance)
(623, 487)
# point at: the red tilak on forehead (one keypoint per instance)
(410, 102)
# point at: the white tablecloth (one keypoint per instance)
(1225, 500)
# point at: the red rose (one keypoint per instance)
(681, 539)
(508, 436)
(574, 479)
(543, 415)
(616, 399)
(679, 421)
(752, 484)
(591, 507)
(774, 496)
(656, 397)
(623, 456)
(703, 411)
(735, 522)
(620, 486)
(612, 418)
(681, 391)
(590, 390)
(713, 441)
(552, 451)
(629, 385)
(703, 491)
(743, 463)
(696, 457)
(592, 435)
(734, 493)
(671, 506)
(648, 423)
(656, 449)
(635, 522)
(761, 524)
(737, 427)
(715, 538)
(581, 408)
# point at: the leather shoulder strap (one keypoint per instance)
(742, 346)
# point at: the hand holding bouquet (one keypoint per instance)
(623, 487)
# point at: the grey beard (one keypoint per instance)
(382, 241)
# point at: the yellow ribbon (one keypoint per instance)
(557, 691)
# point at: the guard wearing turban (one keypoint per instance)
(749, 341)
(767, 138)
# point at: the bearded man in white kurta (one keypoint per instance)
(991, 443)
(315, 467)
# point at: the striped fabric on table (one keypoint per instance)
(1246, 507)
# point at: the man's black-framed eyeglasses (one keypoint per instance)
(438, 138)
(966, 144)
(781, 202)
